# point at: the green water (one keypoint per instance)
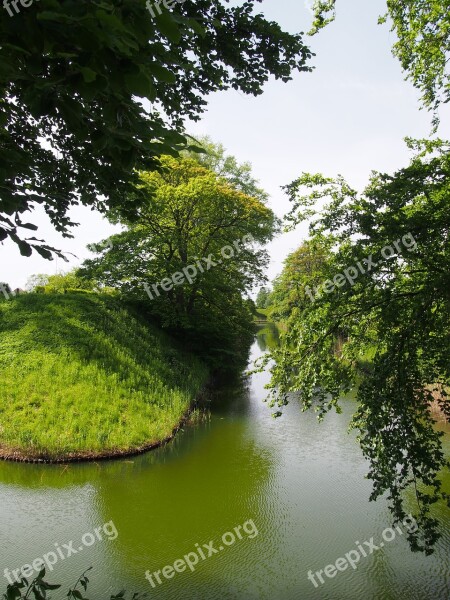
(299, 482)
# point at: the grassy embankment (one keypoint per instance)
(81, 376)
(261, 315)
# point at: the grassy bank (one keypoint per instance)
(83, 376)
(260, 315)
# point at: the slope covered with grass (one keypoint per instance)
(81, 375)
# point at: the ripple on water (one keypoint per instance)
(300, 482)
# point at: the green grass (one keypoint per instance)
(261, 314)
(82, 374)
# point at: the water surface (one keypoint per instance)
(301, 484)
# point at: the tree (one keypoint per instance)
(239, 175)
(423, 45)
(59, 283)
(263, 298)
(303, 270)
(386, 283)
(73, 129)
(192, 257)
(36, 281)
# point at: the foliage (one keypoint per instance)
(324, 13)
(396, 309)
(81, 373)
(73, 129)
(39, 588)
(224, 165)
(191, 217)
(36, 282)
(263, 299)
(422, 28)
(303, 270)
(60, 283)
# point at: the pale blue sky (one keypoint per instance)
(348, 117)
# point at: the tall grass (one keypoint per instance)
(79, 373)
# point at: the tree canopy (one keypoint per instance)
(192, 257)
(238, 175)
(59, 283)
(73, 74)
(301, 273)
(378, 321)
(263, 298)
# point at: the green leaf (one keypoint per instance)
(161, 73)
(44, 252)
(25, 249)
(12, 592)
(199, 29)
(88, 74)
(167, 25)
(59, 17)
(29, 226)
(50, 586)
(37, 593)
(141, 86)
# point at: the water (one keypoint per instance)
(300, 483)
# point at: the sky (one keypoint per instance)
(349, 117)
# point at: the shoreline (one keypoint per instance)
(15, 455)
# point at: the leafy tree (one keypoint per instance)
(59, 283)
(262, 298)
(34, 282)
(387, 285)
(422, 28)
(303, 270)
(73, 129)
(239, 175)
(191, 258)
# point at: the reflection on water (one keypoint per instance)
(302, 483)
(268, 336)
